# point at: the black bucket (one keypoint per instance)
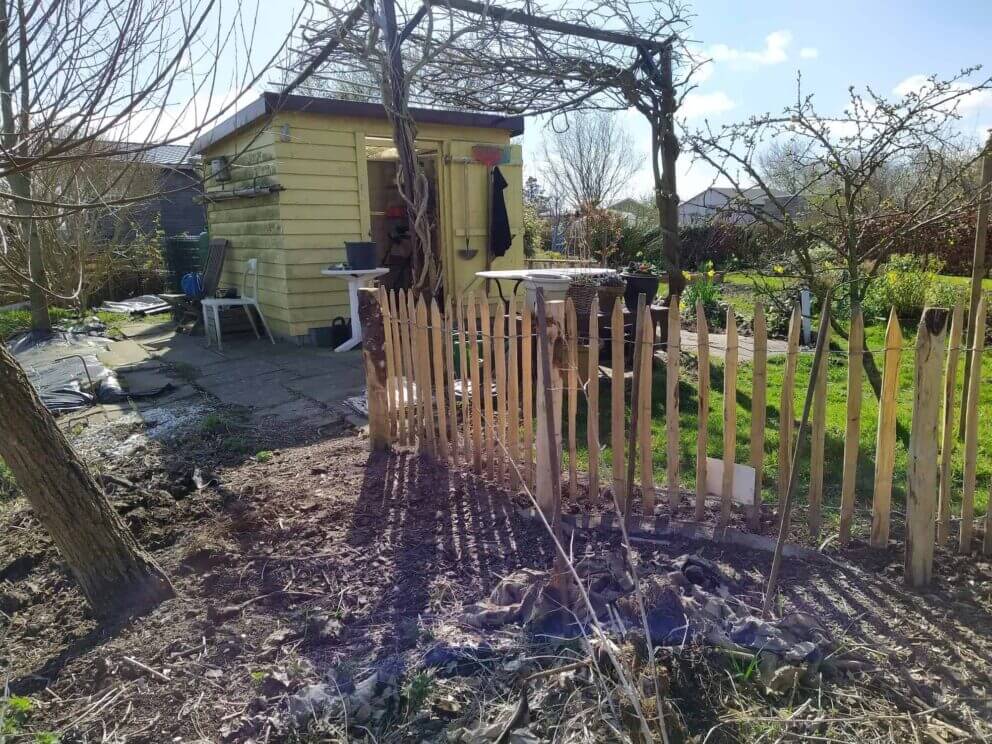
(361, 255)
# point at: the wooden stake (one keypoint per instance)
(634, 408)
(644, 415)
(592, 395)
(512, 392)
(885, 438)
(499, 346)
(947, 425)
(412, 392)
(819, 360)
(489, 415)
(729, 419)
(759, 397)
(571, 338)
(423, 362)
(392, 406)
(617, 415)
(437, 338)
(550, 322)
(374, 357)
(852, 434)
(703, 414)
(786, 406)
(449, 363)
(467, 390)
(527, 392)
(921, 492)
(818, 441)
(476, 394)
(672, 418)
(971, 433)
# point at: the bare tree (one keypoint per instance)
(590, 160)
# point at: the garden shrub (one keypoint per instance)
(908, 283)
(703, 289)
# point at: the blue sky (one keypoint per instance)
(758, 47)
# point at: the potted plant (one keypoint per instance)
(642, 277)
(611, 286)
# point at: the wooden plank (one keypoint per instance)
(512, 393)
(703, 414)
(947, 424)
(818, 442)
(489, 413)
(921, 492)
(852, 434)
(759, 398)
(547, 490)
(438, 341)
(399, 369)
(885, 437)
(971, 433)
(572, 380)
(672, 419)
(392, 401)
(422, 348)
(644, 415)
(786, 406)
(413, 418)
(987, 541)
(729, 418)
(374, 357)
(635, 408)
(449, 364)
(475, 395)
(592, 397)
(499, 354)
(617, 405)
(527, 392)
(463, 358)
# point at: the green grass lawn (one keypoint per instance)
(15, 321)
(835, 429)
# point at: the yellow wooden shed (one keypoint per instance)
(289, 180)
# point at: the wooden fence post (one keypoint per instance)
(673, 352)
(449, 361)
(475, 395)
(885, 439)
(592, 394)
(971, 431)
(635, 408)
(513, 393)
(729, 418)
(438, 337)
(374, 356)
(572, 376)
(703, 414)
(486, 391)
(759, 392)
(644, 388)
(423, 361)
(947, 430)
(617, 405)
(499, 349)
(787, 405)
(392, 403)
(547, 490)
(818, 439)
(527, 391)
(852, 434)
(921, 493)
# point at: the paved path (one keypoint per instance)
(718, 345)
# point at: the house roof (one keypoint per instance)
(271, 103)
(752, 195)
(170, 156)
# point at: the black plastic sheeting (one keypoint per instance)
(64, 369)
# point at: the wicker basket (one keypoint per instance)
(582, 296)
(608, 298)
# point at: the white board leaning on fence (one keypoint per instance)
(743, 491)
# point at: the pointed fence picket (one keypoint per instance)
(462, 382)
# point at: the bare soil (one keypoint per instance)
(325, 558)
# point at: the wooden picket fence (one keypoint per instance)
(427, 364)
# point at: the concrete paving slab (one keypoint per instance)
(330, 387)
(184, 350)
(263, 391)
(323, 365)
(306, 412)
(240, 370)
(181, 391)
(121, 353)
(143, 382)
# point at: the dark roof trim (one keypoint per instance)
(270, 103)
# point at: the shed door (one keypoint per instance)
(466, 189)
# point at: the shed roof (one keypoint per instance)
(270, 103)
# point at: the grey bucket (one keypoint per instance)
(361, 255)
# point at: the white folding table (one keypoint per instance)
(356, 278)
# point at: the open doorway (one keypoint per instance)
(389, 225)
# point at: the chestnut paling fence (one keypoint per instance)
(428, 369)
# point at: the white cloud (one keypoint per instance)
(967, 103)
(774, 52)
(809, 53)
(698, 105)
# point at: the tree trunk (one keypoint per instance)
(115, 575)
(872, 372)
(667, 195)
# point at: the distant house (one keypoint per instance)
(737, 206)
(635, 211)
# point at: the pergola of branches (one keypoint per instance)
(533, 60)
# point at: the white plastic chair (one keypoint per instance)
(247, 300)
